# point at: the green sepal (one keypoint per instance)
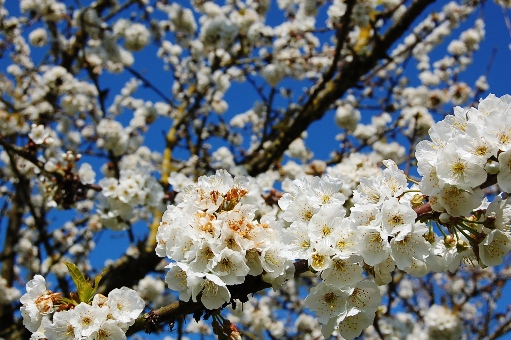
(69, 301)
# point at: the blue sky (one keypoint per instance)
(321, 135)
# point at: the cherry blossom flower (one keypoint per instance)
(494, 247)
(61, 327)
(125, 305)
(87, 319)
(213, 291)
(344, 271)
(36, 303)
(327, 301)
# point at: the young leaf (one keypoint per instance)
(98, 279)
(90, 291)
(76, 275)
(83, 287)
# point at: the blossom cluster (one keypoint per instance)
(49, 316)
(381, 232)
(440, 322)
(7, 294)
(119, 198)
(215, 240)
(468, 151)
(465, 149)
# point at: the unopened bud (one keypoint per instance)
(444, 218)
(492, 167)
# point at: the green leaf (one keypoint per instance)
(87, 293)
(76, 275)
(83, 288)
(90, 290)
(97, 279)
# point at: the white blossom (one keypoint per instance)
(125, 305)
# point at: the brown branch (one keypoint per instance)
(503, 328)
(128, 270)
(252, 284)
(148, 84)
(21, 153)
(8, 254)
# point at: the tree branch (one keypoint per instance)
(252, 284)
(315, 108)
(128, 270)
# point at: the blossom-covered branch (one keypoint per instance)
(152, 151)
